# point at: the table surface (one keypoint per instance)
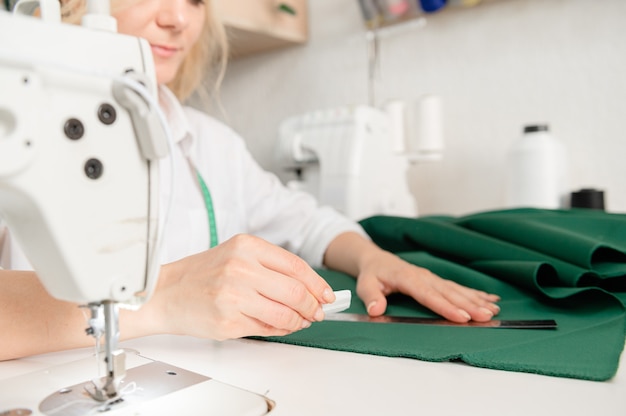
(309, 381)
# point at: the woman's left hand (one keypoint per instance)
(385, 273)
(381, 273)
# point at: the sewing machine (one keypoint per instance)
(81, 136)
(356, 158)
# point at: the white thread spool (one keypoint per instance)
(396, 110)
(537, 170)
(425, 139)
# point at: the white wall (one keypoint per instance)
(498, 66)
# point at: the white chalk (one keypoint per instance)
(341, 303)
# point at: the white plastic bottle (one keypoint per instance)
(537, 170)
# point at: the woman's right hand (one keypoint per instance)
(243, 287)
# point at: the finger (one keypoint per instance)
(429, 291)
(459, 303)
(290, 293)
(480, 305)
(275, 315)
(245, 326)
(471, 302)
(370, 290)
(489, 297)
(483, 300)
(259, 328)
(449, 299)
(291, 265)
(442, 306)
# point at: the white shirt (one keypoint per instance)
(246, 198)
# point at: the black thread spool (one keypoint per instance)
(587, 198)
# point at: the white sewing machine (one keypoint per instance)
(80, 139)
(355, 159)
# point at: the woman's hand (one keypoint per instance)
(243, 287)
(386, 273)
(381, 273)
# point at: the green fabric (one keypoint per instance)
(565, 265)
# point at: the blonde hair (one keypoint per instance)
(204, 65)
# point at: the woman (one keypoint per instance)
(258, 280)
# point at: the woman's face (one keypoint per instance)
(171, 27)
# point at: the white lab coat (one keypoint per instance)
(246, 198)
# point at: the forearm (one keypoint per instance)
(348, 252)
(243, 287)
(33, 322)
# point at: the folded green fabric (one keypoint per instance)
(565, 265)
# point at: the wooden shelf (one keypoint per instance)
(255, 26)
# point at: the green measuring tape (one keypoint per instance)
(208, 201)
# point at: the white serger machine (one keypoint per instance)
(356, 158)
(81, 138)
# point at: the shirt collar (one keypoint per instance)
(180, 129)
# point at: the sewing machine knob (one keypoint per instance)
(74, 129)
(107, 114)
(93, 168)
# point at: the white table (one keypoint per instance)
(307, 381)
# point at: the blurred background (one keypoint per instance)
(496, 66)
